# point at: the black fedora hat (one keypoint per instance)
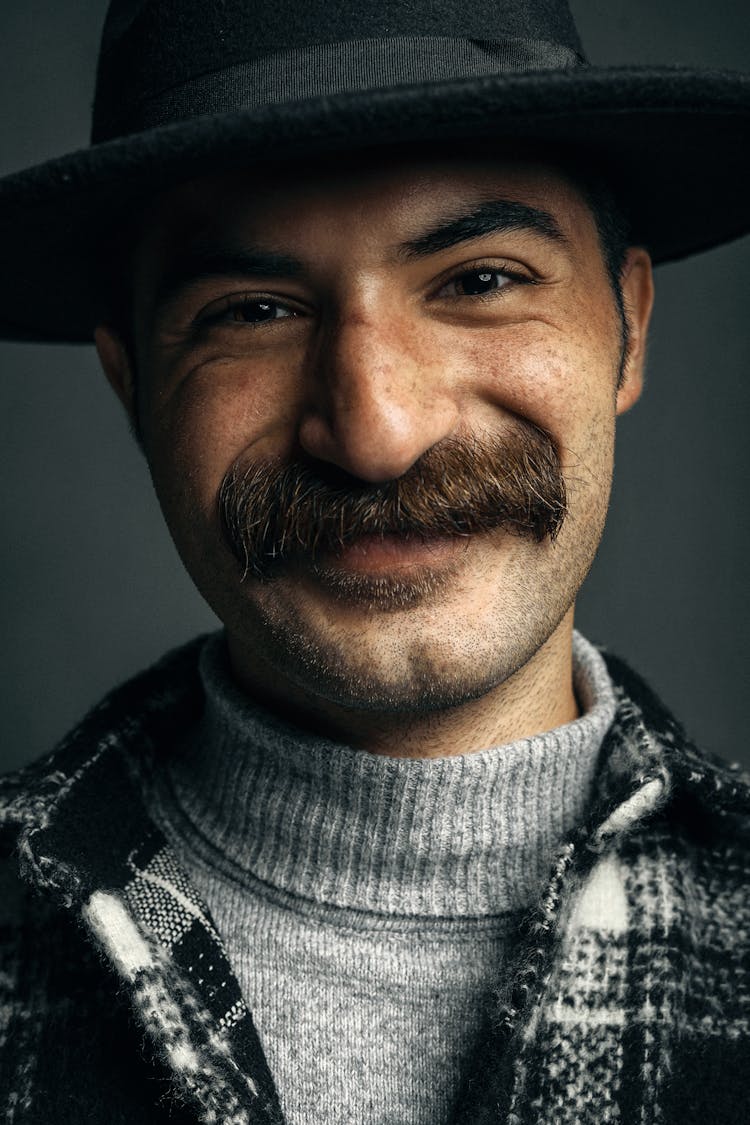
(188, 86)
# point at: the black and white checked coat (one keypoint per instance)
(629, 999)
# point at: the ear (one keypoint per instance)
(637, 282)
(117, 366)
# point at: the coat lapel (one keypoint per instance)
(87, 841)
(602, 1007)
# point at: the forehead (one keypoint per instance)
(372, 195)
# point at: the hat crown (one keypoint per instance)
(152, 46)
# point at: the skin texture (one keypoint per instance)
(382, 359)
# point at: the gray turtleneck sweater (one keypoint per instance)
(368, 904)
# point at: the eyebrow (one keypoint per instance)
(203, 263)
(495, 216)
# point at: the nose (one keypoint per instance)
(379, 398)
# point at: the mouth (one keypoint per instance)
(389, 573)
(381, 555)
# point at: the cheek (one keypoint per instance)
(560, 382)
(217, 413)
(563, 380)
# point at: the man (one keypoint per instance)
(397, 844)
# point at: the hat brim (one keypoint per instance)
(674, 140)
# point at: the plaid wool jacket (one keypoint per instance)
(628, 999)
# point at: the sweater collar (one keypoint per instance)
(470, 835)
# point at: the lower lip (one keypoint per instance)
(376, 554)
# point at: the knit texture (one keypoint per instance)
(626, 998)
(368, 903)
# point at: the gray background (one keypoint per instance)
(92, 588)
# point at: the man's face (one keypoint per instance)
(347, 326)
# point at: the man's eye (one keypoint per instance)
(480, 282)
(245, 310)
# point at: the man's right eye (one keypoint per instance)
(244, 309)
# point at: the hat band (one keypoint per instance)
(334, 68)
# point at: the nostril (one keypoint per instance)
(370, 437)
(330, 473)
(336, 477)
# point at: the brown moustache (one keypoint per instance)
(272, 513)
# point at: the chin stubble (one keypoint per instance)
(289, 521)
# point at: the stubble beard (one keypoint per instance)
(416, 658)
(386, 654)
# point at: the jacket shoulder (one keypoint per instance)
(133, 714)
(702, 783)
(14, 892)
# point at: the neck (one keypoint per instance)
(538, 697)
(262, 800)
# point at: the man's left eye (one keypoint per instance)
(479, 282)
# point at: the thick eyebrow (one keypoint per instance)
(495, 216)
(201, 264)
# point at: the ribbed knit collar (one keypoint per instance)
(471, 835)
